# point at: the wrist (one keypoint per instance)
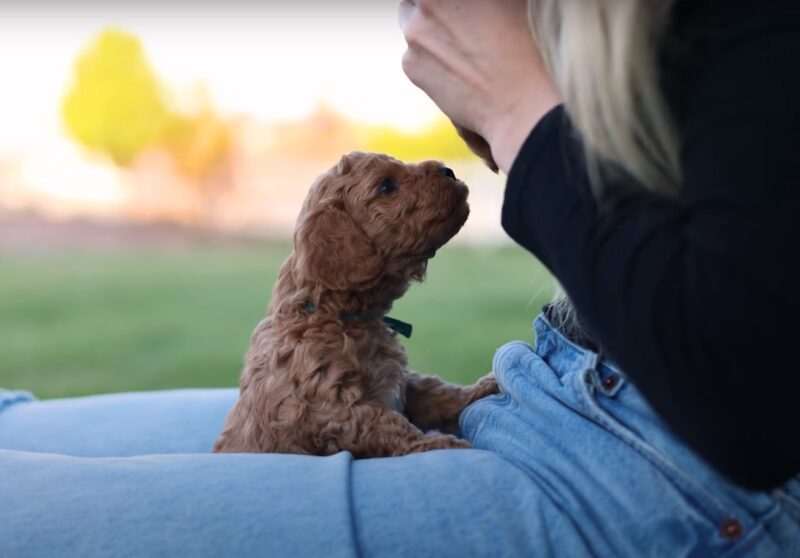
(509, 131)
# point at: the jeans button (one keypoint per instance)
(731, 529)
(610, 382)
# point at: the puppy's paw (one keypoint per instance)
(437, 442)
(484, 387)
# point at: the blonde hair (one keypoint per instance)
(603, 56)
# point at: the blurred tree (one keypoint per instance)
(199, 142)
(118, 106)
(116, 103)
(326, 133)
(200, 145)
(439, 140)
(323, 135)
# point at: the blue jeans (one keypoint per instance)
(569, 461)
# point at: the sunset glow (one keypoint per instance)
(273, 62)
(256, 65)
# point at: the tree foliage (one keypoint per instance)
(199, 143)
(323, 135)
(439, 140)
(118, 106)
(116, 103)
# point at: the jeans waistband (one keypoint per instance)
(564, 355)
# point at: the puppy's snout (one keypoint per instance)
(447, 171)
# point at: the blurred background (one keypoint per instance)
(153, 159)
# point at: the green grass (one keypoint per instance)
(90, 322)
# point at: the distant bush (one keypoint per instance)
(117, 106)
(116, 103)
(438, 140)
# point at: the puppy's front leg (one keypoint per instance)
(381, 432)
(433, 403)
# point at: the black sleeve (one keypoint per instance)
(696, 297)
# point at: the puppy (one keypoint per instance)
(325, 372)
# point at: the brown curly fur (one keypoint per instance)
(317, 383)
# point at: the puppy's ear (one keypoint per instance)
(333, 251)
(348, 162)
(343, 166)
(478, 146)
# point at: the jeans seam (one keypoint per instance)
(752, 536)
(709, 505)
(351, 509)
(789, 502)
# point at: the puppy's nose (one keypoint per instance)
(448, 172)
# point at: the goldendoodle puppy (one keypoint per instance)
(324, 372)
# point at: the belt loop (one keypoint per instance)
(590, 364)
(591, 360)
(601, 356)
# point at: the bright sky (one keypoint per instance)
(271, 60)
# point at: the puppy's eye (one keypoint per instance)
(387, 186)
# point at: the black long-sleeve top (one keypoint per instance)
(696, 298)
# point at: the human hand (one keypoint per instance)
(479, 63)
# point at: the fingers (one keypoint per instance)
(478, 62)
(404, 11)
(420, 20)
(432, 61)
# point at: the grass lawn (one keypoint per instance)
(80, 322)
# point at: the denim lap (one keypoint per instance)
(569, 461)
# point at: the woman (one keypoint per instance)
(662, 225)
(676, 260)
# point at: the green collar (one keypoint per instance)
(402, 328)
